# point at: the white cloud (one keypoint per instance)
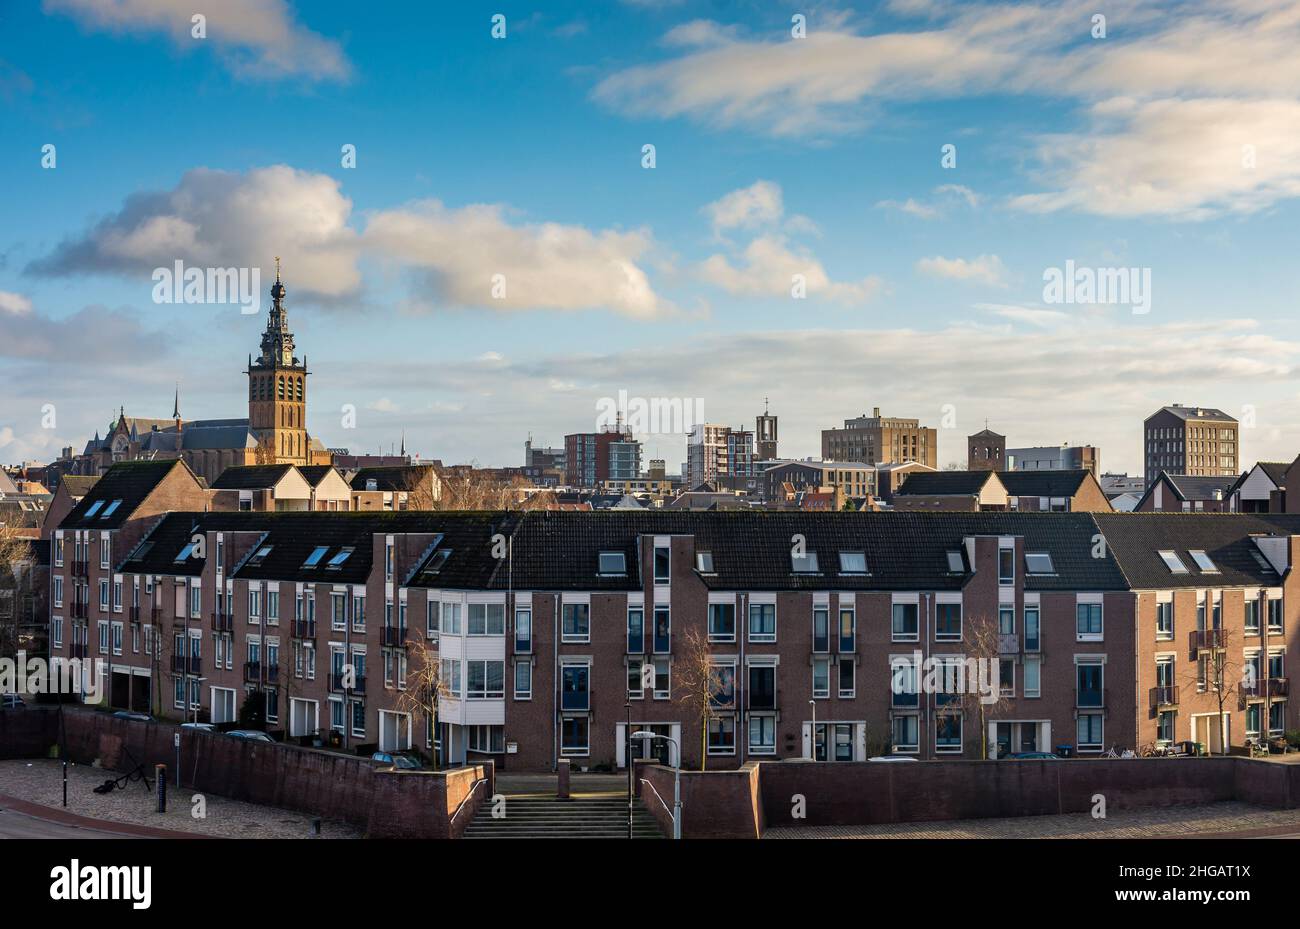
(1034, 316)
(1190, 159)
(226, 219)
(755, 205)
(257, 39)
(544, 265)
(984, 269)
(767, 268)
(14, 304)
(383, 405)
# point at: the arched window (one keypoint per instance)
(280, 388)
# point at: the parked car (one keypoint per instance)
(397, 760)
(199, 727)
(130, 714)
(250, 735)
(892, 758)
(1033, 756)
(12, 702)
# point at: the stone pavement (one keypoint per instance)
(40, 781)
(1166, 822)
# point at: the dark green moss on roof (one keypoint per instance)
(128, 481)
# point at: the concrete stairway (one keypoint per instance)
(541, 817)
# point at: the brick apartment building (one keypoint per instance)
(877, 438)
(1107, 624)
(1191, 440)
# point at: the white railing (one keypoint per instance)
(481, 780)
(657, 797)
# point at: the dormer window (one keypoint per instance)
(803, 564)
(1203, 561)
(337, 561)
(704, 562)
(1038, 563)
(1173, 562)
(314, 558)
(853, 562)
(614, 563)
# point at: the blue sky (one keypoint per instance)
(775, 155)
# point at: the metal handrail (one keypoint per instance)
(657, 797)
(481, 780)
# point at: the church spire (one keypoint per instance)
(277, 341)
(176, 406)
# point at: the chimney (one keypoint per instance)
(875, 412)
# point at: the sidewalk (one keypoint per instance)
(64, 818)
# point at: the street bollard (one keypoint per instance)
(315, 826)
(160, 774)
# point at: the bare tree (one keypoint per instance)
(981, 656)
(699, 685)
(424, 684)
(15, 577)
(265, 453)
(468, 488)
(1220, 675)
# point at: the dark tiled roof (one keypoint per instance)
(128, 481)
(1136, 539)
(944, 483)
(1064, 483)
(1196, 487)
(390, 479)
(250, 477)
(1196, 412)
(315, 473)
(1276, 471)
(78, 485)
(156, 552)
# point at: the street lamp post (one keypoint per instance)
(812, 740)
(677, 777)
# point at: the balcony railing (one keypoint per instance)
(358, 684)
(222, 622)
(80, 609)
(257, 673)
(575, 700)
(1270, 686)
(904, 698)
(188, 664)
(1206, 638)
(155, 614)
(304, 629)
(1008, 644)
(392, 636)
(77, 650)
(133, 614)
(1164, 696)
(1093, 698)
(761, 699)
(80, 568)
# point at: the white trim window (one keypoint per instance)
(722, 622)
(722, 735)
(485, 679)
(821, 678)
(575, 736)
(1088, 620)
(117, 638)
(762, 622)
(905, 621)
(1165, 620)
(906, 733)
(577, 622)
(523, 679)
(762, 734)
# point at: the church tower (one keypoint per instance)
(277, 390)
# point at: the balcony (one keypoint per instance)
(79, 610)
(191, 664)
(575, 700)
(1008, 644)
(358, 685)
(77, 650)
(1166, 696)
(1206, 639)
(904, 699)
(761, 699)
(155, 614)
(392, 636)
(133, 614)
(257, 673)
(222, 622)
(1090, 699)
(304, 629)
(1268, 686)
(80, 568)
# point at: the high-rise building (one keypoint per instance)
(592, 457)
(1194, 440)
(706, 453)
(876, 438)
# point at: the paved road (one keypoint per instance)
(15, 825)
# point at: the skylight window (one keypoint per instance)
(437, 561)
(1262, 561)
(111, 507)
(94, 508)
(613, 563)
(337, 561)
(1038, 563)
(853, 562)
(1203, 561)
(704, 562)
(1173, 562)
(186, 552)
(260, 555)
(956, 563)
(804, 564)
(314, 558)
